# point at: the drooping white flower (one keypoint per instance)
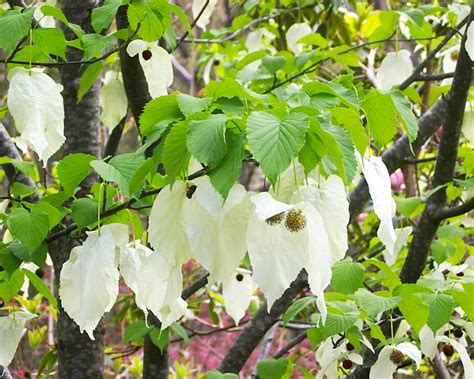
(197, 7)
(254, 41)
(288, 238)
(329, 358)
(156, 65)
(36, 104)
(429, 346)
(156, 282)
(216, 229)
(167, 219)
(113, 100)
(469, 44)
(294, 33)
(12, 328)
(401, 238)
(237, 291)
(394, 69)
(378, 180)
(89, 278)
(390, 357)
(468, 122)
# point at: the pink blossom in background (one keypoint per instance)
(397, 179)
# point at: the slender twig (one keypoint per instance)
(186, 33)
(432, 77)
(248, 26)
(295, 341)
(420, 160)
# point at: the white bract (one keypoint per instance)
(89, 278)
(113, 100)
(156, 65)
(401, 239)
(216, 229)
(329, 357)
(390, 357)
(198, 6)
(290, 237)
(394, 69)
(468, 122)
(469, 44)
(12, 328)
(294, 33)
(429, 346)
(156, 282)
(167, 229)
(378, 180)
(237, 291)
(36, 104)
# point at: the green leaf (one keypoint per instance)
(314, 148)
(404, 109)
(409, 207)
(347, 276)
(95, 44)
(217, 375)
(135, 331)
(20, 190)
(163, 108)
(10, 286)
(337, 323)
(272, 368)
(88, 79)
(84, 212)
(175, 153)
(51, 41)
(57, 13)
(14, 25)
(180, 331)
(41, 286)
(275, 142)
(347, 148)
(297, 307)
(30, 228)
(190, 104)
(138, 179)
(380, 25)
(206, 139)
(73, 169)
(229, 88)
(346, 95)
(178, 11)
(381, 116)
(160, 338)
(103, 16)
(350, 121)
(120, 169)
(373, 304)
(226, 173)
(54, 214)
(441, 306)
(152, 19)
(414, 310)
(465, 298)
(273, 64)
(8, 259)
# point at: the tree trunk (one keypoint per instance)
(79, 356)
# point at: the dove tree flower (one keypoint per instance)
(36, 104)
(12, 328)
(156, 65)
(394, 69)
(156, 282)
(294, 33)
(429, 342)
(167, 218)
(329, 358)
(92, 269)
(378, 181)
(391, 356)
(290, 237)
(237, 291)
(113, 100)
(402, 235)
(205, 9)
(216, 229)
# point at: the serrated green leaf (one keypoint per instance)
(30, 228)
(73, 169)
(206, 139)
(337, 323)
(381, 116)
(226, 173)
(297, 307)
(272, 368)
(314, 148)
(441, 306)
(10, 286)
(408, 119)
(135, 331)
(151, 19)
(350, 121)
(275, 142)
(84, 212)
(103, 16)
(157, 111)
(40, 286)
(347, 276)
(51, 41)
(160, 338)
(175, 153)
(57, 13)
(373, 304)
(14, 25)
(88, 79)
(190, 104)
(414, 310)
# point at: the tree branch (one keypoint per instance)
(183, 37)
(254, 331)
(443, 214)
(444, 170)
